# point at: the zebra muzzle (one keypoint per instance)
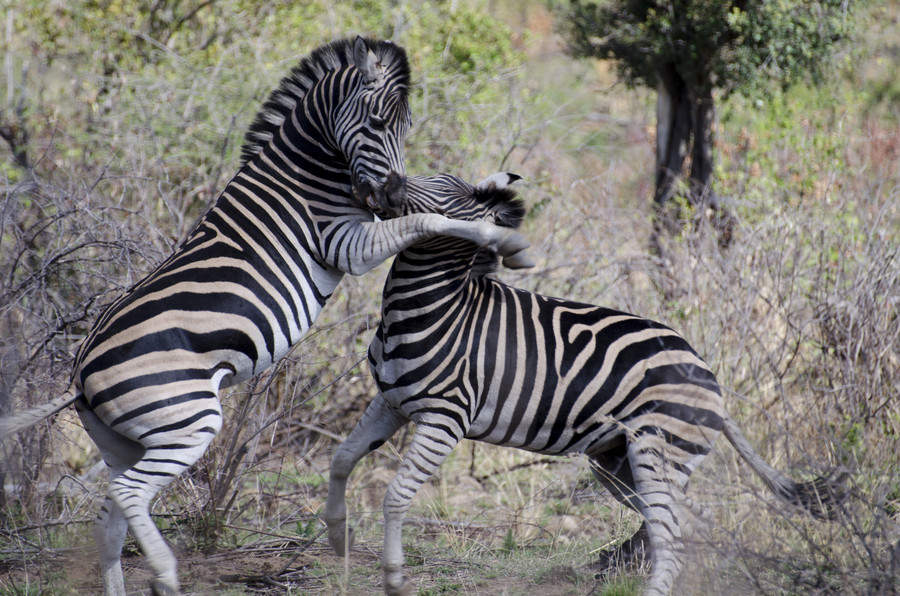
(386, 200)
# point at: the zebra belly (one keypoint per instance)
(509, 432)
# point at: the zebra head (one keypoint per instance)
(371, 123)
(490, 200)
(345, 107)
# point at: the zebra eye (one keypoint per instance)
(377, 122)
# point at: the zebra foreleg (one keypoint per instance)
(375, 242)
(429, 447)
(378, 424)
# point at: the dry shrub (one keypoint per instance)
(798, 318)
(67, 250)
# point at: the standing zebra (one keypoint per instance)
(462, 355)
(248, 282)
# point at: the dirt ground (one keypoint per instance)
(269, 570)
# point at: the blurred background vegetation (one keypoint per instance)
(121, 120)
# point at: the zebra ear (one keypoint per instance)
(498, 181)
(366, 60)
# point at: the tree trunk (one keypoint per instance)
(703, 116)
(673, 129)
(702, 166)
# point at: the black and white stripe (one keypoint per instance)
(248, 282)
(465, 356)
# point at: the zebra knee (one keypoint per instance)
(342, 464)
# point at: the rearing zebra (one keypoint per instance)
(248, 282)
(463, 355)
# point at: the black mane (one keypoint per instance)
(292, 88)
(508, 209)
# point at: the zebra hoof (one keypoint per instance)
(631, 554)
(404, 589)
(520, 260)
(513, 243)
(340, 542)
(158, 588)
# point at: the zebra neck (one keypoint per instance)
(291, 194)
(428, 277)
(297, 160)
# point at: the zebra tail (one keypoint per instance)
(821, 497)
(22, 420)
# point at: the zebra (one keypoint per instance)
(465, 356)
(247, 283)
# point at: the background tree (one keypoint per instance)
(689, 49)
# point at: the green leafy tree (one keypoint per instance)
(688, 50)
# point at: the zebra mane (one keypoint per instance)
(509, 211)
(294, 87)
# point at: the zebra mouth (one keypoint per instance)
(385, 200)
(364, 192)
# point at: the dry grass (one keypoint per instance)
(799, 317)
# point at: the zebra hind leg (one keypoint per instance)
(167, 452)
(612, 469)
(660, 488)
(110, 527)
(378, 424)
(135, 489)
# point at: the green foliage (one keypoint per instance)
(509, 545)
(628, 586)
(465, 65)
(308, 529)
(733, 46)
(183, 78)
(781, 149)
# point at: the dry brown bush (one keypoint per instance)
(799, 317)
